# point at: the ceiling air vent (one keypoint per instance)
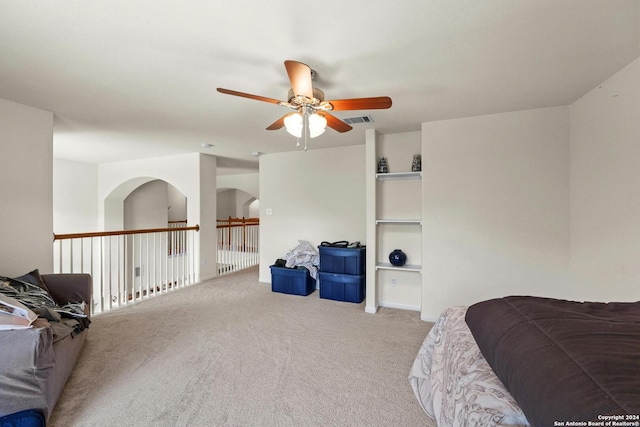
(358, 119)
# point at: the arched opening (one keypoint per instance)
(235, 203)
(154, 204)
(151, 261)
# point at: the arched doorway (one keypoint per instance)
(154, 204)
(236, 203)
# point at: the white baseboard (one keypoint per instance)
(428, 318)
(399, 306)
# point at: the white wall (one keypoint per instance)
(243, 201)
(253, 209)
(226, 205)
(233, 203)
(247, 182)
(75, 197)
(26, 195)
(146, 206)
(234, 191)
(314, 195)
(206, 211)
(605, 189)
(180, 171)
(495, 207)
(177, 204)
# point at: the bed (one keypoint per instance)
(519, 361)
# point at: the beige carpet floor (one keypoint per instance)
(229, 352)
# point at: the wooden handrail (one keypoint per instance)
(237, 222)
(247, 224)
(241, 220)
(121, 232)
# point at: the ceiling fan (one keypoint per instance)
(312, 113)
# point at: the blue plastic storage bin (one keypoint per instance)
(28, 418)
(294, 281)
(342, 260)
(342, 287)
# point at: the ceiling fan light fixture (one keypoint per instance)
(293, 124)
(317, 124)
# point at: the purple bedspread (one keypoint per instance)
(563, 360)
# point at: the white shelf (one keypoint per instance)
(394, 219)
(406, 267)
(399, 175)
(399, 221)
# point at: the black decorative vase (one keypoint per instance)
(416, 164)
(397, 258)
(383, 166)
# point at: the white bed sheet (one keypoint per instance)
(454, 383)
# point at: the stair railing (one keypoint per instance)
(238, 244)
(130, 265)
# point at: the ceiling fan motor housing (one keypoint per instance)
(318, 97)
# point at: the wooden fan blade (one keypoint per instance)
(279, 124)
(300, 77)
(248, 95)
(335, 123)
(375, 103)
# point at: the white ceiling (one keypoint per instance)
(133, 79)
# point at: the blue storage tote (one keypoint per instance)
(342, 287)
(294, 281)
(27, 418)
(342, 260)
